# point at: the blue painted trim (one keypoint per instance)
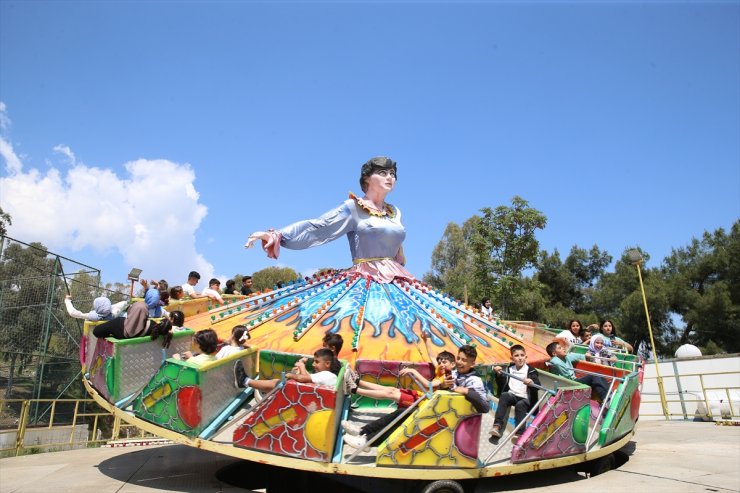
(339, 444)
(126, 401)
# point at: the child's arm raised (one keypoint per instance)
(411, 371)
(428, 343)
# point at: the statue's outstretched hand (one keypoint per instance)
(270, 242)
(259, 235)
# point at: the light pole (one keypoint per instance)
(636, 258)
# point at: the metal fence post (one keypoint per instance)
(680, 390)
(21, 434)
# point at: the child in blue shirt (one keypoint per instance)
(561, 363)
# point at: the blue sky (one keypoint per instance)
(160, 134)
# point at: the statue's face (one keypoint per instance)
(381, 180)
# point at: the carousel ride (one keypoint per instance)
(440, 438)
(380, 311)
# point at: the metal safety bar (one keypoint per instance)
(400, 417)
(504, 439)
(602, 410)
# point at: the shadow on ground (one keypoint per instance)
(157, 468)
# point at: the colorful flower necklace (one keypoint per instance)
(389, 210)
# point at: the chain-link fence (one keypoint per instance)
(39, 341)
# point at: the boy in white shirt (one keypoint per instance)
(212, 291)
(325, 369)
(513, 392)
(188, 288)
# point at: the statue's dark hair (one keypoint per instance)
(375, 164)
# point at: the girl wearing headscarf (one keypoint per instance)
(102, 309)
(600, 354)
(136, 324)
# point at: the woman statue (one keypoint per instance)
(376, 304)
(372, 226)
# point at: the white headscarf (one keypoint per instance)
(102, 308)
(594, 338)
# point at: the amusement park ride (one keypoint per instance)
(440, 438)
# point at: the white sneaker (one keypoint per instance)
(355, 441)
(350, 380)
(351, 428)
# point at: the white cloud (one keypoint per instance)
(149, 216)
(66, 151)
(12, 162)
(4, 120)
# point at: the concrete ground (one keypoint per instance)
(673, 457)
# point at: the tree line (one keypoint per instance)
(693, 296)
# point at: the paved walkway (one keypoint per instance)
(673, 457)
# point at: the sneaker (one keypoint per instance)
(351, 428)
(355, 441)
(239, 375)
(515, 439)
(496, 431)
(350, 381)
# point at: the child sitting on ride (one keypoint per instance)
(600, 354)
(156, 297)
(136, 323)
(518, 392)
(334, 342)
(325, 369)
(463, 380)
(102, 309)
(609, 331)
(587, 333)
(406, 397)
(445, 364)
(572, 335)
(206, 342)
(212, 290)
(239, 335)
(177, 293)
(178, 319)
(561, 363)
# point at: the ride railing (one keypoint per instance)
(625, 360)
(63, 424)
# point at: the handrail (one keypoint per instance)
(540, 387)
(612, 377)
(602, 409)
(370, 440)
(505, 438)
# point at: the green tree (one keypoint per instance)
(453, 265)
(558, 284)
(117, 291)
(35, 331)
(24, 288)
(504, 245)
(5, 221)
(269, 277)
(703, 281)
(618, 297)
(570, 285)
